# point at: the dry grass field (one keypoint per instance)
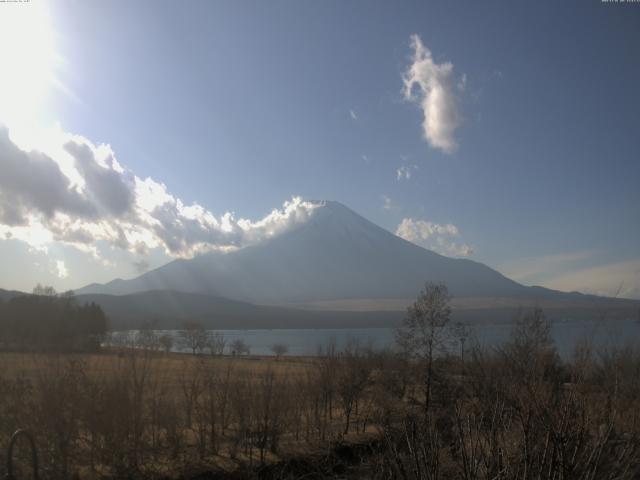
(515, 412)
(158, 413)
(172, 365)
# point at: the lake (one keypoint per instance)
(305, 342)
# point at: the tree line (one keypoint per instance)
(46, 320)
(192, 337)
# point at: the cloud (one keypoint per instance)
(620, 279)
(434, 88)
(387, 203)
(72, 191)
(353, 115)
(434, 236)
(568, 272)
(141, 266)
(404, 172)
(31, 181)
(534, 270)
(108, 187)
(61, 269)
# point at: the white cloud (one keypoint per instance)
(434, 88)
(61, 269)
(534, 270)
(434, 236)
(575, 271)
(620, 279)
(404, 172)
(71, 191)
(387, 203)
(353, 114)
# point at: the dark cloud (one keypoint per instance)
(112, 205)
(32, 181)
(111, 191)
(179, 232)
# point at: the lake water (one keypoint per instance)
(305, 342)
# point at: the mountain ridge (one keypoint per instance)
(162, 309)
(335, 254)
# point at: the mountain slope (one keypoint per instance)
(336, 254)
(6, 295)
(169, 309)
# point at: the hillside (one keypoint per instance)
(169, 309)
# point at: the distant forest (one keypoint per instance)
(48, 321)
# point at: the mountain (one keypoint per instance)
(169, 309)
(163, 309)
(6, 295)
(336, 254)
(336, 267)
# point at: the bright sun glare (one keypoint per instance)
(28, 61)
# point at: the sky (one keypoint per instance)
(133, 133)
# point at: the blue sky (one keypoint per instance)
(238, 106)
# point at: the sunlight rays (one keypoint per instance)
(29, 62)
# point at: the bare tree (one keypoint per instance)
(146, 337)
(461, 334)
(240, 347)
(325, 379)
(44, 291)
(216, 343)
(422, 333)
(194, 336)
(530, 352)
(279, 349)
(166, 342)
(352, 378)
